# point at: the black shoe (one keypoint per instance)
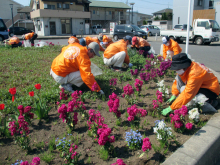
(214, 103)
(111, 67)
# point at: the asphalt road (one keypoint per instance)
(206, 54)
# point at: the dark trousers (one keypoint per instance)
(16, 45)
(33, 38)
(209, 94)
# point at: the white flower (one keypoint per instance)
(155, 129)
(159, 136)
(161, 83)
(167, 91)
(194, 114)
(161, 125)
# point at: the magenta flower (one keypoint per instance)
(189, 126)
(146, 144)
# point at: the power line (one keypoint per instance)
(153, 3)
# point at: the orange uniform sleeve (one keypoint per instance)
(164, 51)
(176, 49)
(175, 91)
(84, 64)
(192, 87)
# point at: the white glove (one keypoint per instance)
(101, 91)
(130, 65)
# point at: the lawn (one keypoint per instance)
(50, 139)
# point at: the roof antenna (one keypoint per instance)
(126, 2)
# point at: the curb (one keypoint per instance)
(203, 148)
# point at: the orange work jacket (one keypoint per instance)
(107, 39)
(94, 39)
(73, 39)
(195, 77)
(14, 40)
(74, 58)
(28, 36)
(174, 46)
(115, 48)
(141, 43)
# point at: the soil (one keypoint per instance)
(44, 131)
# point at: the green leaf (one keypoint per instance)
(141, 155)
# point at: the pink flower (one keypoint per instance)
(128, 90)
(27, 109)
(119, 162)
(73, 155)
(24, 163)
(112, 139)
(146, 144)
(35, 161)
(189, 126)
(95, 87)
(178, 124)
(130, 118)
(138, 84)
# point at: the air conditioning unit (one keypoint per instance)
(45, 6)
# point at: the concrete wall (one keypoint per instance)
(217, 10)
(180, 9)
(5, 10)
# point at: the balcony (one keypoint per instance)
(41, 13)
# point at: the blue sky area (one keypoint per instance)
(142, 6)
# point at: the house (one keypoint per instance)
(163, 19)
(138, 18)
(203, 9)
(60, 17)
(104, 12)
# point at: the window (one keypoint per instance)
(66, 6)
(106, 12)
(59, 6)
(38, 6)
(120, 27)
(204, 24)
(65, 24)
(93, 12)
(128, 28)
(121, 13)
(97, 12)
(51, 7)
(110, 12)
(178, 26)
(2, 26)
(200, 2)
(155, 27)
(211, 2)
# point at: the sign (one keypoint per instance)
(104, 30)
(112, 27)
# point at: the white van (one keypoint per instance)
(96, 29)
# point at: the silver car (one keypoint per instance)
(151, 29)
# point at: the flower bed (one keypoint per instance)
(74, 131)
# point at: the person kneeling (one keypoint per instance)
(140, 44)
(72, 66)
(14, 42)
(116, 54)
(192, 79)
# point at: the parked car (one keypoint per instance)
(151, 29)
(96, 29)
(181, 27)
(18, 31)
(122, 30)
(3, 31)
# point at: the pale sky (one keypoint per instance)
(142, 6)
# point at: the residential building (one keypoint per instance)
(138, 18)
(204, 9)
(60, 17)
(104, 12)
(163, 19)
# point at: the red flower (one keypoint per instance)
(37, 86)
(2, 106)
(12, 91)
(31, 93)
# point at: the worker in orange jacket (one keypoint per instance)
(192, 79)
(31, 37)
(14, 42)
(140, 44)
(106, 41)
(116, 54)
(73, 39)
(170, 47)
(72, 66)
(86, 41)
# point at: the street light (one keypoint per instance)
(11, 6)
(132, 12)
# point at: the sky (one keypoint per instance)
(142, 6)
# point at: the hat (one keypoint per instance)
(95, 47)
(74, 35)
(100, 38)
(134, 40)
(128, 38)
(165, 39)
(180, 61)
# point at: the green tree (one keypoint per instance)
(156, 18)
(169, 16)
(164, 16)
(144, 22)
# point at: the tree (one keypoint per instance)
(164, 16)
(156, 18)
(144, 22)
(169, 16)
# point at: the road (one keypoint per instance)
(206, 54)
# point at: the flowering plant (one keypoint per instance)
(162, 88)
(20, 130)
(3, 125)
(113, 83)
(157, 104)
(128, 91)
(35, 161)
(197, 102)
(194, 115)
(134, 115)
(95, 122)
(146, 146)
(138, 85)
(13, 92)
(134, 73)
(68, 151)
(119, 162)
(163, 132)
(133, 139)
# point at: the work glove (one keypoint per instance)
(166, 111)
(171, 99)
(101, 91)
(130, 65)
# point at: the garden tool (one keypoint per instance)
(95, 69)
